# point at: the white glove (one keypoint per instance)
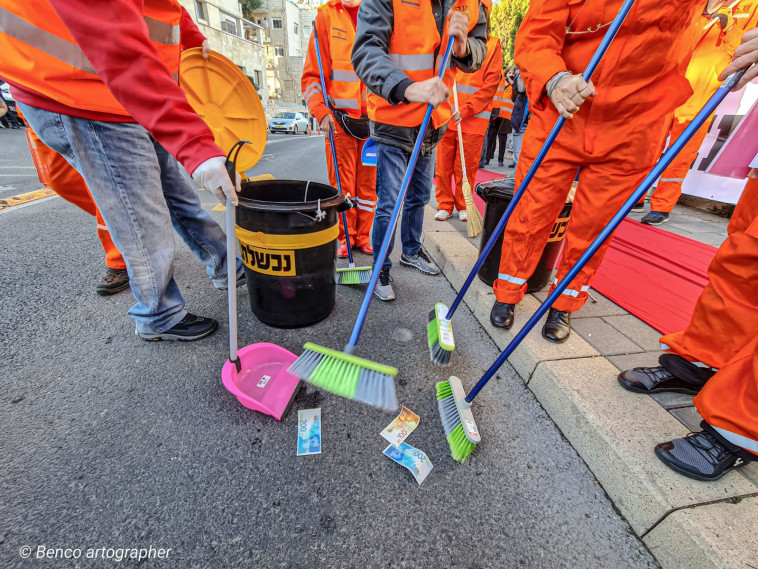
(212, 175)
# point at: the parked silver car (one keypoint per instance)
(288, 121)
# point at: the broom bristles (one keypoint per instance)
(475, 223)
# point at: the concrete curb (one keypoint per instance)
(613, 430)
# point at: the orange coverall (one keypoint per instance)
(475, 115)
(723, 332)
(357, 180)
(711, 56)
(57, 174)
(613, 140)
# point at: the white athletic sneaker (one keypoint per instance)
(463, 215)
(442, 215)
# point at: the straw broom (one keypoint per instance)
(474, 218)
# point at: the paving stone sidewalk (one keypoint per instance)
(625, 342)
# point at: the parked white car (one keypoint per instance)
(288, 121)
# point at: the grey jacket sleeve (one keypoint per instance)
(477, 44)
(370, 51)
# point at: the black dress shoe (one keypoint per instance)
(501, 315)
(557, 327)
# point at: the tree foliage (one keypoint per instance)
(248, 6)
(505, 20)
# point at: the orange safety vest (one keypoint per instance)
(469, 83)
(412, 47)
(504, 99)
(345, 90)
(40, 53)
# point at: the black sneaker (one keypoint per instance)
(655, 380)
(115, 280)
(190, 328)
(655, 218)
(639, 207)
(700, 456)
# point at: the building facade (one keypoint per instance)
(233, 36)
(287, 28)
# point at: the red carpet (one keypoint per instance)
(654, 274)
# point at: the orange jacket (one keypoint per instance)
(712, 54)
(336, 35)
(476, 91)
(641, 77)
(416, 48)
(59, 69)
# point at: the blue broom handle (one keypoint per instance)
(587, 75)
(361, 320)
(331, 143)
(638, 194)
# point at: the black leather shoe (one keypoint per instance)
(501, 315)
(557, 327)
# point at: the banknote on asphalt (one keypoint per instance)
(412, 458)
(308, 431)
(399, 429)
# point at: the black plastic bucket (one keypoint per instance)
(287, 230)
(498, 194)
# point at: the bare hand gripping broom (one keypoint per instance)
(455, 409)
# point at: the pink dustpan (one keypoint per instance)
(263, 382)
(257, 374)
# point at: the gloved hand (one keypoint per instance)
(212, 175)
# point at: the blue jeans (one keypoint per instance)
(517, 139)
(391, 164)
(141, 193)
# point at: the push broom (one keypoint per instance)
(351, 275)
(343, 373)
(473, 217)
(439, 329)
(455, 408)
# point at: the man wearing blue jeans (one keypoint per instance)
(107, 102)
(129, 172)
(396, 49)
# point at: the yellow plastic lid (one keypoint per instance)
(226, 100)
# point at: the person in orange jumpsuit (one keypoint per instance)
(57, 174)
(476, 92)
(722, 337)
(346, 116)
(613, 135)
(721, 33)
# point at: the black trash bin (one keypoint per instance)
(287, 230)
(498, 194)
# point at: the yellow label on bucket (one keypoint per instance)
(277, 262)
(559, 229)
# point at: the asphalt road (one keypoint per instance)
(111, 442)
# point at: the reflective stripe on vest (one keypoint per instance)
(412, 46)
(469, 84)
(344, 89)
(40, 54)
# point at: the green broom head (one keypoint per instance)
(457, 420)
(354, 275)
(439, 333)
(347, 376)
